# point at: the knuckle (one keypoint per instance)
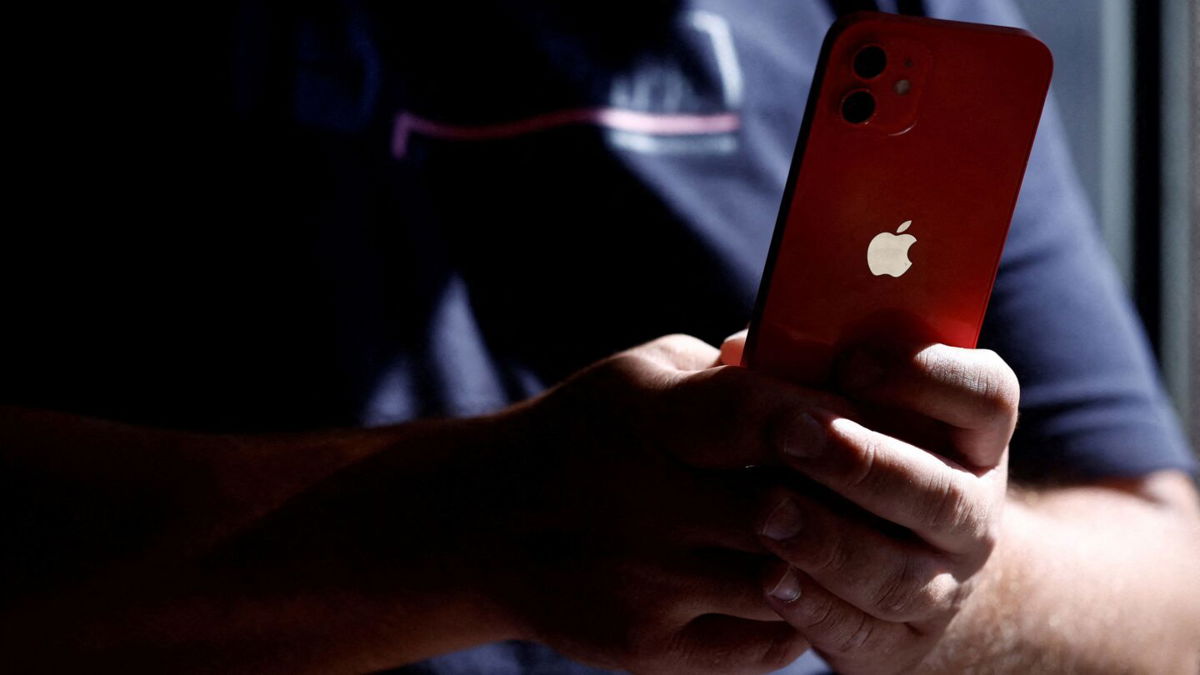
(897, 596)
(996, 387)
(679, 341)
(988, 382)
(724, 412)
(954, 511)
(771, 500)
(990, 536)
(859, 457)
(956, 593)
(997, 408)
(946, 594)
(632, 366)
(821, 616)
(986, 533)
(722, 392)
(855, 634)
(732, 385)
(678, 348)
(743, 409)
(826, 555)
(911, 593)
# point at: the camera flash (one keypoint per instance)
(902, 86)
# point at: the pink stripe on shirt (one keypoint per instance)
(612, 118)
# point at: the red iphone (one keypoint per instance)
(903, 183)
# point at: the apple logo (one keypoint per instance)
(888, 253)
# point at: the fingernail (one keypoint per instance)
(784, 522)
(788, 587)
(805, 438)
(861, 370)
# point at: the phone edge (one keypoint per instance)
(789, 189)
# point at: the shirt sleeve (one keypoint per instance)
(1092, 405)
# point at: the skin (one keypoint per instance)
(613, 519)
(924, 559)
(597, 519)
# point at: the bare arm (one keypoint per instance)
(160, 550)
(911, 553)
(1090, 579)
(599, 519)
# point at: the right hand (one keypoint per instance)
(621, 531)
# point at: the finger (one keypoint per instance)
(847, 637)
(722, 644)
(712, 510)
(943, 502)
(716, 581)
(732, 349)
(972, 390)
(729, 417)
(888, 578)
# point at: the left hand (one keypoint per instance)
(890, 539)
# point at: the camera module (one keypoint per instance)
(858, 107)
(870, 62)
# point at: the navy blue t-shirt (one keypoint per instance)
(384, 212)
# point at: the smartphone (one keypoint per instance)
(901, 190)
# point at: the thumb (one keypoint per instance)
(731, 349)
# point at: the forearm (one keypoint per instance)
(211, 482)
(323, 551)
(1087, 579)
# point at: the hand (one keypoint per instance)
(632, 544)
(880, 557)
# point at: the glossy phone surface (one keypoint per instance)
(895, 213)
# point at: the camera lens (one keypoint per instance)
(870, 62)
(858, 107)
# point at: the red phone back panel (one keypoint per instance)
(940, 161)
